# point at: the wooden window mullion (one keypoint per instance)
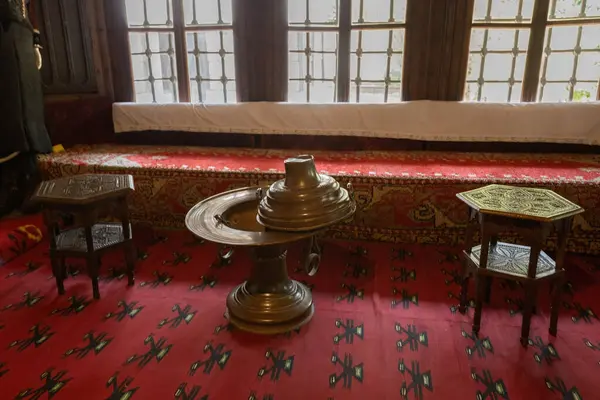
(458, 33)
(183, 75)
(416, 49)
(120, 58)
(260, 35)
(343, 56)
(531, 78)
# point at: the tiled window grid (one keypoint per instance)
(485, 24)
(176, 33)
(350, 25)
(538, 18)
(556, 23)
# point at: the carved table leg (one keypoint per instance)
(564, 228)
(93, 267)
(129, 248)
(58, 269)
(488, 279)
(269, 302)
(130, 256)
(93, 261)
(557, 288)
(530, 296)
(480, 293)
(481, 279)
(466, 274)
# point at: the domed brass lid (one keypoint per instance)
(305, 200)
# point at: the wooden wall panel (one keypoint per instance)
(80, 120)
(76, 71)
(67, 53)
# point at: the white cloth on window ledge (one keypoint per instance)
(417, 120)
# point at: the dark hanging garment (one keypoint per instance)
(22, 127)
(23, 132)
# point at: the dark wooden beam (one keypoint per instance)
(120, 60)
(344, 39)
(535, 50)
(416, 45)
(436, 49)
(459, 16)
(260, 38)
(183, 75)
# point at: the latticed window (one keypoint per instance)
(182, 50)
(571, 62)
(346, 50)
(534, 50)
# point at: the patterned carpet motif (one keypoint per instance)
(386, 327)
(403, 196)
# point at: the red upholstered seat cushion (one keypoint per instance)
(406, 165)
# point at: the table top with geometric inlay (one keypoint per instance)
(83, 189)
(520, 202)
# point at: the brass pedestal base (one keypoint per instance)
(269, 302)
(271, 329)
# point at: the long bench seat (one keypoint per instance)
(404, 197)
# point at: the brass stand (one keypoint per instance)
(267, 221)
(269, 302)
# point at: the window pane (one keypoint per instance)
(573, 8)
(207, 12)
(312, 12)
(312, 67)
(496, 64)
(503, 10)
(149, 13)
(376, 65)
(371, 11)
(154, 67)
(571, 64)
(211, 66)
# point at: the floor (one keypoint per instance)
(386, 327)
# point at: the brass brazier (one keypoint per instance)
(267, 220)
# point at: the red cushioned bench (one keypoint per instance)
(404, 197)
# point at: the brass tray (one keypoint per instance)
(229, 218)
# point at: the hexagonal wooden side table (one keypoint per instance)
(86, 197)
(532, 213)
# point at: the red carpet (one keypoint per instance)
(18, 235)
(385, 328)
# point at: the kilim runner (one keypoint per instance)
(386, 327)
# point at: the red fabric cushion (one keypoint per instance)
(18, 235)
